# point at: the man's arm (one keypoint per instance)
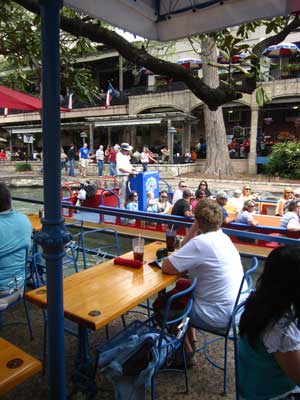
(168, 267)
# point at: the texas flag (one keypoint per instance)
(111, 92)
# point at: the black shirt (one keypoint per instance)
(180, 207)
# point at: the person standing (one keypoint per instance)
(15, 232)
(100, 159)
(112, 157)
(124, 168)
(63, 160)
(146, 157)
(84, 159)
(71, 159)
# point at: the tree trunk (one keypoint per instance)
(217, 155)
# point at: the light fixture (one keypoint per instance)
(230, 111)
(295, 107)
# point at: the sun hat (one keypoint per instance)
(126, 146)
(116, 147)
(222, 195)
(237, 192)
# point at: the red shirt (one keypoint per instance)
(112, 156)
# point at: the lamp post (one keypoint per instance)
(83, 135)
(171, 132)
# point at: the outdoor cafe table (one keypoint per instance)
(97, 296)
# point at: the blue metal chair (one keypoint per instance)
(235, 320)
(99, 252)
(15, 292)
(248, 274)
(222, 334)
(164, 342)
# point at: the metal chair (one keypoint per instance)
(248, 274)
(222, 334)
(15, 290)
(235, 319)
(100, 252)
(163, 343)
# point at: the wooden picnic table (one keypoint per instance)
(96, 296)
(16, 366)
(35, 221)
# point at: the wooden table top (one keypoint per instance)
(96, 296)
(15, 366)
(35, 221)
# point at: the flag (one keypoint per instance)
(5, 112)
(111, 92)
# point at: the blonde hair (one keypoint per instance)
(209, 215)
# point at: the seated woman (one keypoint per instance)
(290, 219)
(199, 195)
(152, 203)
(247, 215)
(164, 205)
(288, 195)
(269, 346)
(132, 205)
(203, 185)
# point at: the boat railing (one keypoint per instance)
(258, 235)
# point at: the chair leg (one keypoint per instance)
(185, 370)
(225, 365)
(123, 321)
(153, 387)
(28, 319)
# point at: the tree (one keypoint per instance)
(217, 156)
(80, 27)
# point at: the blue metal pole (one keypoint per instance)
(53, 235)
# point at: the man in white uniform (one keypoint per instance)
(214, 260)
(124, 168)
(177, 195)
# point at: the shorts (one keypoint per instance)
(84, 162)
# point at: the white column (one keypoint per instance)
(252, 168)
(120, 73)
(91, 133)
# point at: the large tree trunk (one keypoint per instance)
(217, 155)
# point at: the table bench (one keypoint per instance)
(16, 366)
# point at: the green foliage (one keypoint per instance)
(21, 167)
(285, 160)
(261, 96)
(20, 45)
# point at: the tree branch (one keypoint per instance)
(212, 97)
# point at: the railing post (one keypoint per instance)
(53, 235)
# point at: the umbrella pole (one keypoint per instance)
(53, 235)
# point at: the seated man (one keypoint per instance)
(290, 219)
(210, 255)
(222, 199)
(182, 207)
(15, 232)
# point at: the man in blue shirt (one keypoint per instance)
(222, 201)
(15, 233)
(84, 159)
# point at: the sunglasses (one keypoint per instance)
(247, 189)
(251, 205)
(164, 197)
(289, 192)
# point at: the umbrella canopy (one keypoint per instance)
(168, 19)
(3, 140)
(190, 63)
(281, 50)
(234, 59)
(14, 100)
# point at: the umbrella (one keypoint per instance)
(3, 140)
(280, 50)
(190, 63)
(283, 49)
(14, 100)
(237, 58)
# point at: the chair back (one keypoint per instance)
(13, 291)
(249, 272)
(235, 320)
(181, 315)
